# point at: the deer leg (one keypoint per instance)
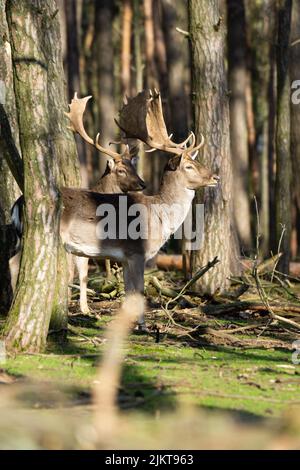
(70, 264)
(82, 265)
(14, 268)
(133, 271)
(107, 267)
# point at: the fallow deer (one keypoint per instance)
(81, 225)
(120, 176)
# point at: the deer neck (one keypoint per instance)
(174, 199)
(107, 184)
(173, 191)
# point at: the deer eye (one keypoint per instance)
(189, 167)
(121, 172)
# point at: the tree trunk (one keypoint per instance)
(283, 157)
(210, 101)
(161, 53)
(105, 73)
(9, 190)
(295, 103)
(237, 66)
(88, 72)
(49, 160)
(138, 62)
(151, 80)
(260, 21)
(73, 73)
(176, 50)
(126, 46)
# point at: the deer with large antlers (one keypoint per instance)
(86, 229)
(120, 176)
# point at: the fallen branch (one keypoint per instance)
(195, 278)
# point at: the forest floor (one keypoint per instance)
(230, 376)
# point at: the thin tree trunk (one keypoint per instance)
(210, 100)
(88, 72)
(260, 16)
(271, 97)
(160, 52)
(126, 46)
(295, 104)
(175, 48)
(283, 156)
(138, 61)
(137, 47)
(152, 171)
(73, 74)
(237, 65)
(151, 79)
(105, 73)
(49, 160)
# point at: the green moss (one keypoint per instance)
(167, 375)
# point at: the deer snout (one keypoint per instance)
(213, 181)
(141, 185)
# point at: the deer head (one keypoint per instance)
(142, 118)
(120, 166)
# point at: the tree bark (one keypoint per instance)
(211, 112)
(49, 161)
(283, 156)
(9, 190)
(295, 104)
(176, 50)
(237, 74)
(151, 79)
(105, 73)
(126, 46)
(73, 73)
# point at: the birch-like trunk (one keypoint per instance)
(211, 113)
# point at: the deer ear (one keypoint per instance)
(173, 163)
(110, 164)
(134, 161)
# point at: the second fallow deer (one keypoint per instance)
(84, 211)
(120, 176)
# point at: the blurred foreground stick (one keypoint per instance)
(108, 377)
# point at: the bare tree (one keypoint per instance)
(211, 111)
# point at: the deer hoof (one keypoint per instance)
(141, 328)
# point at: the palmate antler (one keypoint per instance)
(77, 108)
(142, 118)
